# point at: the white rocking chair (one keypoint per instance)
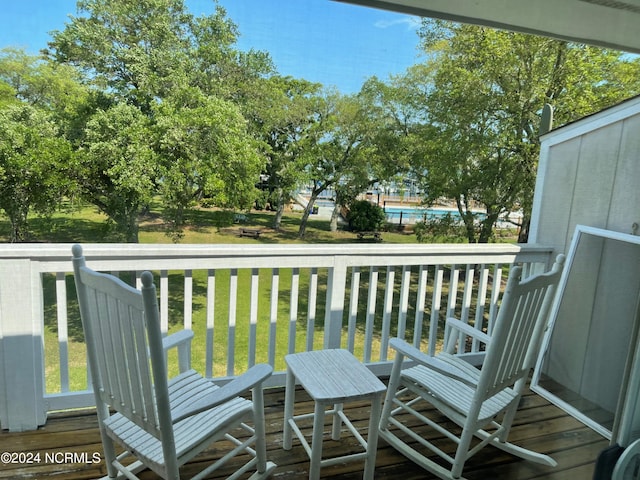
(628, 465)
(483, 402)
(164, 423)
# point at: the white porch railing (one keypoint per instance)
(245, 303)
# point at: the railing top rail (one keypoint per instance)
(112, 251)
(117, 256)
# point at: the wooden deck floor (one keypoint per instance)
(539, 425)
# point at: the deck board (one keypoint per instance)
(539, 425)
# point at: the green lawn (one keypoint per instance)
(86, 225)
(76, 348)
(207, 226)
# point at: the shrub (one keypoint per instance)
(445, 228)
(262, 200)
(365, 216)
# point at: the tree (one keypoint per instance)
(206, 152)
(174, 69)
(340, 150)
(485, 90)
(51, 87)
(34, 166)
(283, 118)
(137, 50)
(118, 168)
(38, 104)
(397, 121)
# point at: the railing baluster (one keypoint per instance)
(495, 295)
(436, 299)
(421, 296)
(467, 293)
(353, 308)
(336, 290)
(529, 269)
(63, 334)
(211, 307)
(453, 291)
(293, 309)
(386, 316)
(466, 304)
(371, 313)
(188, 299)
(453, 295)
(253, 316)
(311, 309)
(483, 277)
(403, 307)
(273, 316)
(231, 325)
(164, 301)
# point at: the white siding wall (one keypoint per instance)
(589, 174)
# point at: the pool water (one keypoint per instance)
(413, 214)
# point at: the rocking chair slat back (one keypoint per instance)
(519, 326)
(116, 327)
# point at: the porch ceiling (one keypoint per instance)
(606, 23)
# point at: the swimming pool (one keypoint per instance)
(414, 214)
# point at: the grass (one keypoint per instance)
(76, 348)
(87, 225)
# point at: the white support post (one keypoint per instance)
(21, 347)
(336, 287)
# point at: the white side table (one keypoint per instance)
(332, 377)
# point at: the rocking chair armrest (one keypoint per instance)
(407, 350)
(182, 341)
(177, 339)
(468, 330)
(253, 377)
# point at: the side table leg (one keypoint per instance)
(337, 422)
(372, 438)
(289, 400)
(316, 441)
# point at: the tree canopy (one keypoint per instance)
(136, 102)
(34, 166)
(485, 90)
(38, 103)
(170, 125)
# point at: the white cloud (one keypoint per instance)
(411, 22)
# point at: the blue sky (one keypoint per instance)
(320, 40)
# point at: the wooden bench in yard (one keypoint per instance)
(372, 235)
(250, 232)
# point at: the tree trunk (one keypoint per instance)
(18, 221)
(307, 211)
(133, 228)
(277, 221)
(333, 224)
(467, 218)
(523, 234)
(486, 228)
